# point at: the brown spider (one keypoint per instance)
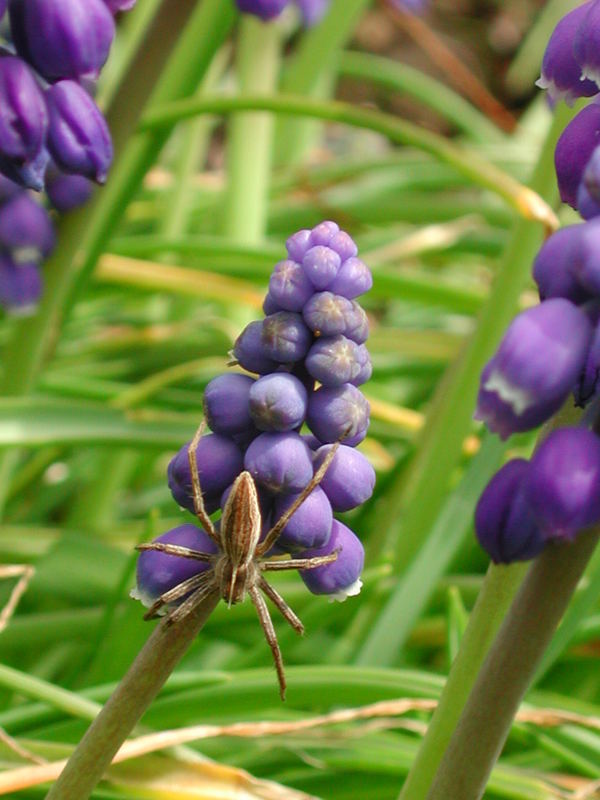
(237, 569)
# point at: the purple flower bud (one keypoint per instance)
(265, 9)
(591, 175)
(20, 286)
(556, 264)
(349, 480)
(561, 72)
(344, 245)
(289, 286)
(322, 233)
(338, 414)
(312, 441)
(587, 384)
(278, 402)
(158, 572)
(534, 369)
(23, 124)
(270, 305)
(357, 323)
(62, 38)
(585, 42)
(25, 229)
(574, 150)
(249, 350)
(505, 527)
(78, 137)
(298, 244)
(312, 10)
(280, 462)
(333, 360)
(219, 463)
(310, 525)
(67, 192)
(587, 265)
(321, 264)
(353, 278)
(327, 314)
(366, 367)
(284, 337)
(587, 206)
(115, 6)
(562, 485)
(8, 189)
(226, 404)
(341, 578)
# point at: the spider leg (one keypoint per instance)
(269, 631)
(199, 509)
(193, 600)
(178, 591)
(298, 563)
(177, 550)
(280, 603)
(272, 536)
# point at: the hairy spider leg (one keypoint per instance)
(275, 532)
(191, 603)
(195, 582)
(177, 550)
(267, 625)
(299, 563)
(199, 509)
(280, 604)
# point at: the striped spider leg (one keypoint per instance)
(236, 570)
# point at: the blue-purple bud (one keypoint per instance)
(67, 192)
(504, 524)
(23, 124)
(586, 42)
(289, 286)
(278, 402)
(365, 366)
(561, 70)
(334, 360)
(587, 206)
(562, 485)
(312, 10)
(158, 572)
(8, 188)
(327, 314)
(535, 368)
(341, 578)
(116, 6)
(20, 286)
(357, 323)
(321, 264)
(78, 136)
(284, 337)
(556, 264)
(226, 404)
(587, 265)
(310, 525)
(297, 244)
(249, 350)
(62, 38)
(587, 384)
(574, 150)
(280, 462)
(265, 9)
(219, 463)
(349, 480)
(353, 279)
(26, 231)
(338, 414)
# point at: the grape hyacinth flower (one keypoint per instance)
(574, 150)
(586, 43)
(62, 38)
(26, 231)
(264, 473)
(20, 286)
(67, 192)
(311, 11)
(562, 73)
(555, 269)
(535, 368)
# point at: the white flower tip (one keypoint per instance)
(349, 591)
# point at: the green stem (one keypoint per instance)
(477, 169)
(153, 665)
(250, 136)
(509, 669)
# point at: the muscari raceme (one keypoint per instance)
(53, 136)
(256, 420)
(552, 351)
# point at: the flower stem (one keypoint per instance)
(509, 669)
(153, 665)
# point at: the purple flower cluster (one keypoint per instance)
(56, 51)
(571, 69)
(311, 11)
(314, 330)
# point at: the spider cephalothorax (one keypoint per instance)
(237, 568)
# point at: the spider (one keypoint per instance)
(238, 566)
